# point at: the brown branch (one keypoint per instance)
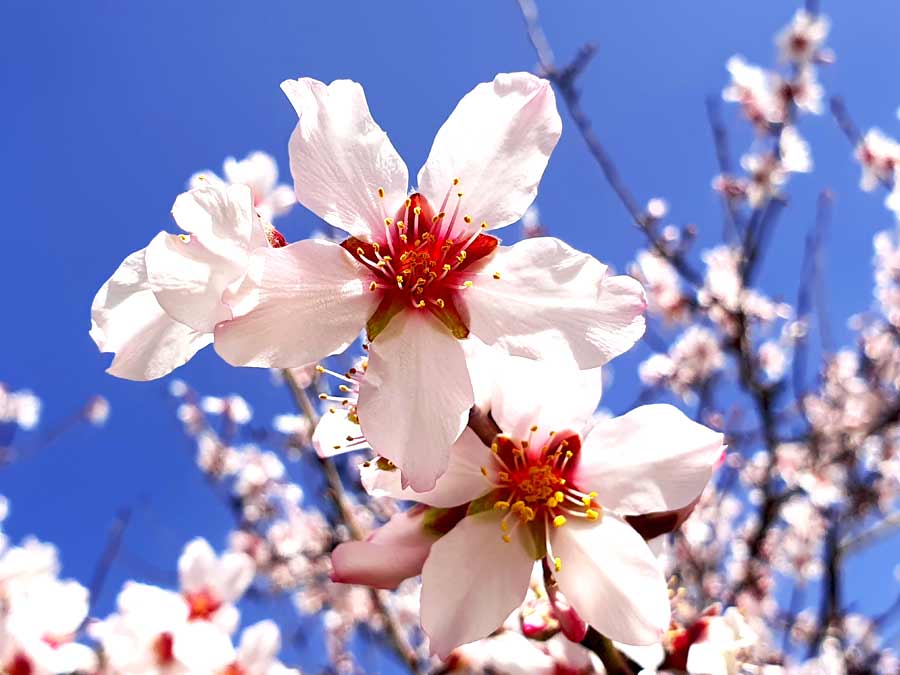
(339, 498)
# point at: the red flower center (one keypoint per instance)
(202, 603)
(162, 649)
(19, 665)
(535, 486)
(423, 260)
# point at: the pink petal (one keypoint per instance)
(650, 460)
(394, 552)
(612, 579)
(472, 581)
(340, 156)
(552, 396)
(497, 143)
(543, 299)
(296, 305)
(462, 482)
(126, 319)
(415, 397)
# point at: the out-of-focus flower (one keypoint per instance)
(259, 172)
(802, 41)
(418, 271)
(531, 223)
(534, 495)
(97, 410)
(878, 155)
(234, 407)
(257, 653)
(21, 408)
(211, 584)
(38, 624)
(663, 287)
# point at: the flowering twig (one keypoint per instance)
(338, 496)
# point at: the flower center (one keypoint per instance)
(535, 486)
(203, 604)
(163, 649)
(423, 260)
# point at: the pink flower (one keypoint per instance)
(556, 486)
(160, 306)
(419, 271)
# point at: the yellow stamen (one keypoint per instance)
(559, 521)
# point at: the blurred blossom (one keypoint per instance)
(260, 173)
(21, 407)
(97, 411)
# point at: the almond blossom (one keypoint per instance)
(259, 172)
(161, 305)
(418, 271)
(555, 485)
(802, 40)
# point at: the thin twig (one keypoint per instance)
(110, 553)
(339, 498)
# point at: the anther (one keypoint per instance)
(497, 275)
(591, 514)
(381, 193)
(559, 521)
(557, 563)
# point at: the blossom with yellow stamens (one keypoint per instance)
(554, 486)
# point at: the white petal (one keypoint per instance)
(190, 274)
(331, 435)
(127, 319)
(189, 279)
(340, 156)
(202, 647)
(414, 400)
(651, 459)
(497, 142)
(222, 217)
(259, 645)
(234, 574)
(296, 305)
(552, 396)
(707, 658)
(472, 580)
(612, 579)
(551, 301)
(196, 565)
(462, 481)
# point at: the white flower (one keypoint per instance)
(418, 271)
(802, 40)
(161, 305)
(211, 585)
(37, 632)
(878, 155)
(259, 172)
(258, 650)
(151, 634)
(549, 488)
(21, 407)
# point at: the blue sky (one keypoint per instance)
(109, 107)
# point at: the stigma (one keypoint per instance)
(420, 259)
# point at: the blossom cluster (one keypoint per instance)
(46, 627)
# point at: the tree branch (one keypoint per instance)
(339, 498)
